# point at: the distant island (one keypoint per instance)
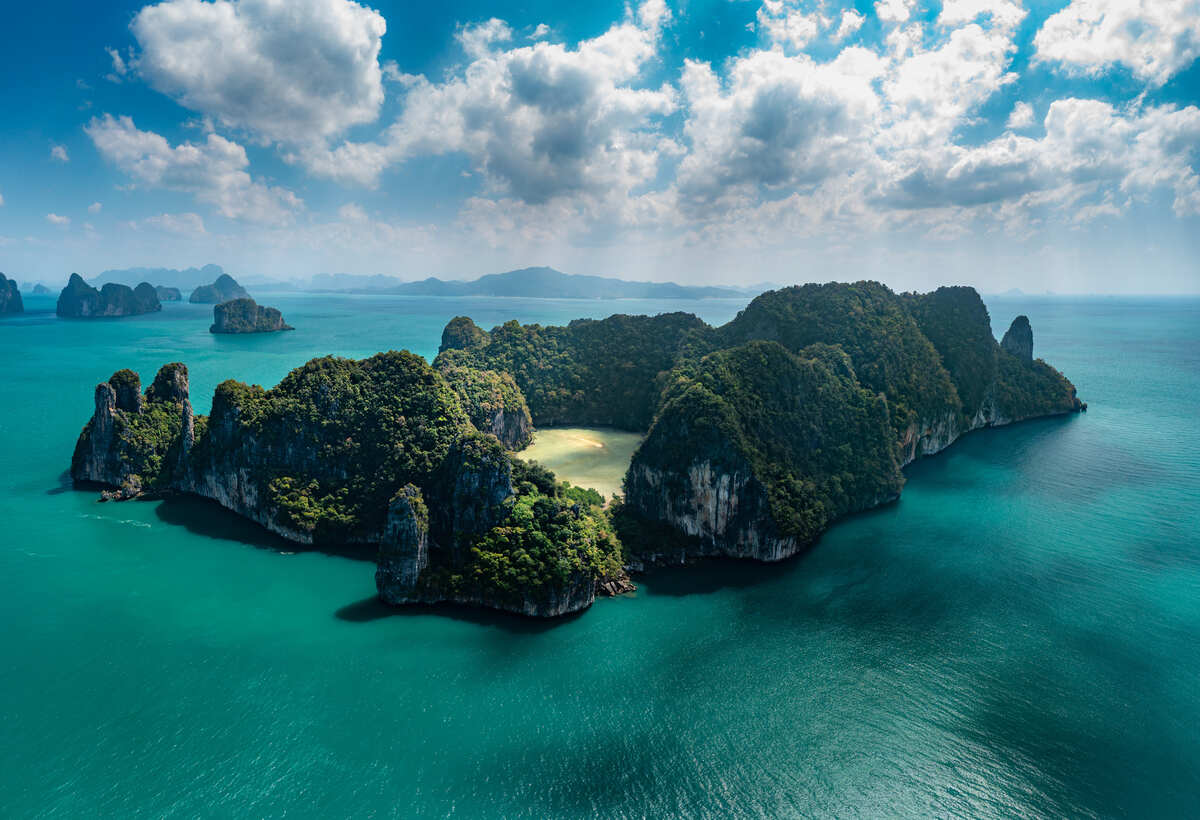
(224, 289)
(167, 294)
(10, 297)
(759, 434)
(246, 316)
(41, 290)
(79, 300)
(541, 282)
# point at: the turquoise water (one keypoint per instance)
(1018, 636)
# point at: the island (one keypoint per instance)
(167, 294)
(10, 297)
(79, 300)
(41, 290)
(224, 289)
(246, 316)
(758, 435)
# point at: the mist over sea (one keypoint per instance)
(1018, 636)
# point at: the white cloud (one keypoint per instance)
(851, 22)
(185, 224)
(61, 221)
(213, 170)
(1154, 39)
(537, 122)
(58, 153)
(293, 72)
(542, 30)
(351, 212)
(894, 11)
(778, 122)
(95, 208)
(1001, 13)
(477, 40)
(786, 25)
(1, 200)
(1021, 117)
(119, 66)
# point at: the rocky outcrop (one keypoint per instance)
(10, 297)
(166, 294)
(1018, 340)
(224, 289)
(246, 316)
(41, 290)
(136, 443)
(404, 546)
(79, 300)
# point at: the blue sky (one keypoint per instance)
(1039, 145)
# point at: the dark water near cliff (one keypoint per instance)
(1019, 636)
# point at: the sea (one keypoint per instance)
(1017, 636)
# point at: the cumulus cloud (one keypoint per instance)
(58, 153)
(538, 121)
(894, 11)
(1090, 149)
(95, 208)
(290, 72)
(1, 200)
(61, 221)
(778, 122)
(1154, 39)
(214, 171)
(851, 22)
(1021, 117)
(786, 25)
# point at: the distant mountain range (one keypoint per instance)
(185, 279)
(527, 282)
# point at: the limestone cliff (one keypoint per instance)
(246, 316)
(167, 294)
(1018, 340)
(10, 297)
(79, 300)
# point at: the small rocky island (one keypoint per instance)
(79, 300)
(246, 316)
(758, 436)
(10, 297)
(224, 289)
(166, 294)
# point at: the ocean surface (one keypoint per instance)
(1018, 636)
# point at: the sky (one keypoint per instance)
(998, 143)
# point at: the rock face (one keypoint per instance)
(41, 290)
(1019, 339)
(130, 437)
(10, 297)
(166, 294)
(246, 316)
(224, 289)
(79, 300)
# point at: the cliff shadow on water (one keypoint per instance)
(372, 608)
(202, 516)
